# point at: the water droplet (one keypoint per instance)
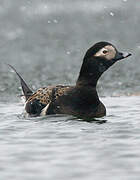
(49, 21)
(119, 83)
(68, 52)
(111, 13)
(2, 89)
(55, 21)
(45, 7)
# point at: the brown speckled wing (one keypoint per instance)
(60, 91)
(42, 97)
(47, 94)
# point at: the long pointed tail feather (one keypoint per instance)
(26, 90)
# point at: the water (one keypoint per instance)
(45, 41)
(59, 147)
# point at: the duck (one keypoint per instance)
(80, 100)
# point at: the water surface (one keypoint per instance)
(61, 147)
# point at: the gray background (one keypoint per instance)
(46, 41)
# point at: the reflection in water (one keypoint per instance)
(92, 120)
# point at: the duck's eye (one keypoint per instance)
(105, 51)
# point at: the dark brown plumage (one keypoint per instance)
(82, 99)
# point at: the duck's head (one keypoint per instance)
(105, 51)
(98, 59)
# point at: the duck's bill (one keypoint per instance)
(122, 55)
